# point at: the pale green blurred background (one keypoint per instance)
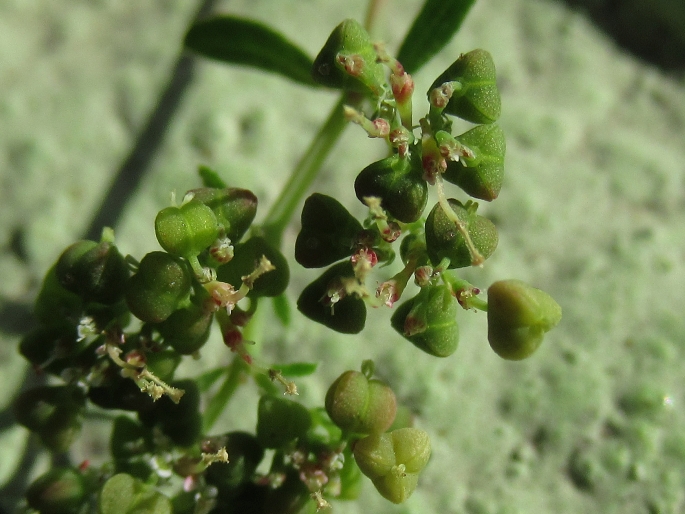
(592, 211)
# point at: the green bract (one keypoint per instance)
(475, 97)
(123, 494)
(246, 259)
(482, 176)
(393, 461)
(234, 208)
(280, 421)
(348, 61)
(328, 232)
(429, 320)
(443, 240)
(359, 405)
(326, 301)
(518, 317)
(187, 230)
(161, 286)
(399, 183)
(59, 491)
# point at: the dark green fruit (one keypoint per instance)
(129, 438)
(443, 240)
(476, 98)
(163, 364)
(359, 405)
(519, 315)
(398, 183)
(393, 461)
(187, 230)
(96, 272)
(161, 286)
(347, 61)
(280, 421)
(245, 454)
(54, 412)
(187, 330)
(55, 305)
(429, 320)
(234, 208)
(49, 348)
(317, 301)
(59, 491)
(328, 232)
(181, 422)
(482, 176)
(246, 259)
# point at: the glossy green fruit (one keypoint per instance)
(187, 230)
(444, 240)
(234, 208)
(359, 405)
(59, 491)
(328, 232)
(246, 259)
(124, 494)
(477, 99)
(49, 348)
(129, 438)
(347, 61)
(393, 461)
(347, 316)
(96, 272)
(482, 176)
(519, 315)
(161, 286)
(398, 183)
(163, 363)
(429, 320)
(280, 421)
(187, 330)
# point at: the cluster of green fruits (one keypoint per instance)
(452, 235)
(114, 330)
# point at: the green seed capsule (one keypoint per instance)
(234, 208)
(161, 286)
(187, 330)
(398, 183)
(476, 97)
(482, 176)
(444, 240)
(49, 348)
(280, 421)
(59, 491)
(325, 301)
(187, 230)
(429, 321)
(393, 461)
(129, 438)
(96, 272)
(347, 61)
(328, 232)
(518, 317)
(359, 405)
(181, 421)
(246, 259)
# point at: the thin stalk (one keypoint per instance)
(304, 174)
(219, 401)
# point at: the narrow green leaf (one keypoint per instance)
(209, 378)
(240, 41)
(210, 178)
(296, 369)
(282, 309)
(433, 28)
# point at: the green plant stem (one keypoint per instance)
(304, 174)
(219, 401)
